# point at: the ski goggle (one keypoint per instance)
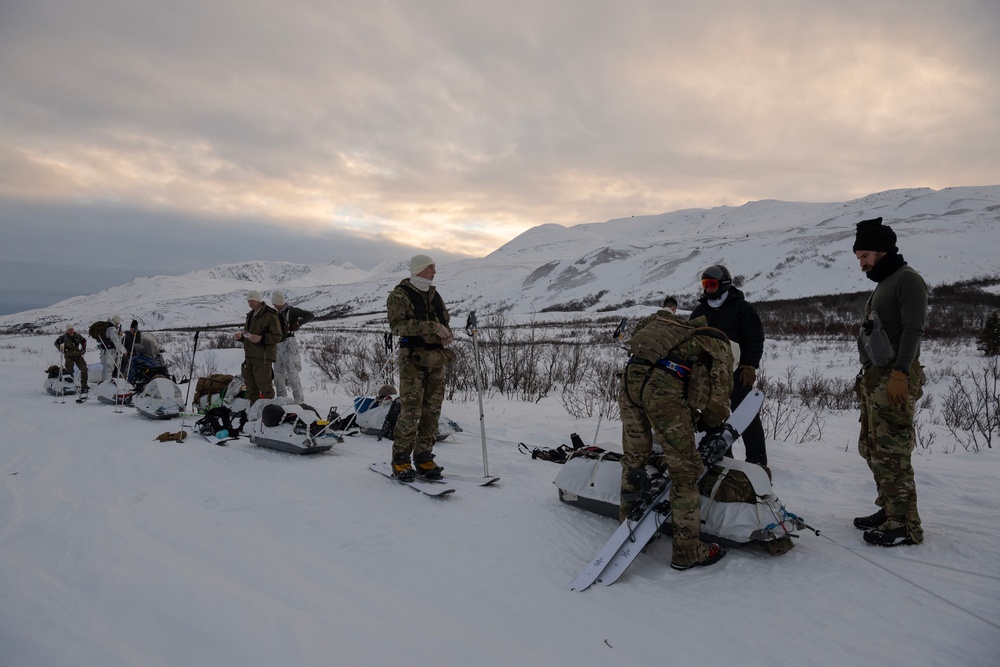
(710, 284)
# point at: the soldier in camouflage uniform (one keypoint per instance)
(74, 346)
(260, 337)
(654, 397)
(890, 383)
(417, 315)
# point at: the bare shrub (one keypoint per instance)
(971, 407)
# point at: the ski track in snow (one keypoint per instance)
(116, 549)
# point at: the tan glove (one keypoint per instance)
(896, 388)
(444, 333)
(748, 375)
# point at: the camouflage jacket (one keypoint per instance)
(414, 315)
(262, 322)
(72, 344)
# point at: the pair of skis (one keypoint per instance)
(433, 487)
(631, 537)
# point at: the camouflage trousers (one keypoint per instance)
(259, 379)
(421, 393)
(886, 443)
(653, 400)
(82, 365)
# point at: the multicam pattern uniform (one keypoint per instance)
(421, 389)
(74, 346)
(887, 436)
(654, 399)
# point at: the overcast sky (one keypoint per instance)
(141, 137)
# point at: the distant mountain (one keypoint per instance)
(777, 249)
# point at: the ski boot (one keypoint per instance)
(425, 466)
(401, 468)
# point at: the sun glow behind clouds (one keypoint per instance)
(433, 124)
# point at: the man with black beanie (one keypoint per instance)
(890, 383)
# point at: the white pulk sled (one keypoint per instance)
(295, 429)
(161, 398)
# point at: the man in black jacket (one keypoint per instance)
(725, 308)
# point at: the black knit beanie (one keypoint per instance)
(873, 235)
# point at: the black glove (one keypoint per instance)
(702, 427)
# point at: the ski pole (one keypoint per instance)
(120, 407)
(616, 336)
(194, 351)
(60, 362)
(120, 404)
(388, 372)
(470, 328)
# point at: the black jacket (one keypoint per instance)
(291, 319)
(738, 320)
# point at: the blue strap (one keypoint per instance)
(681, 371)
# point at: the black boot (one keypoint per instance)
(893, 537)
(870, 521)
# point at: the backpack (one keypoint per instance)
(706, 351)
(711, 380)
(221, 419)
(97, 331)
(216, 383)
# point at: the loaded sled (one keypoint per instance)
(116, 391)
(296, 429)
(160, 398)
(738, 503)
(377, 416)
(59, 383)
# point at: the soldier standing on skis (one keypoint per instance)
(74, 346)
(288, 363)
(260, 336)
(417, 315)
(890, 383)
(679, 374)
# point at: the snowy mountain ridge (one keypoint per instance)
(780, 249)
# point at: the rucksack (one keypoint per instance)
(711, 380)
(702, 349)
(216, 383)
(221, 419)
(97, 331)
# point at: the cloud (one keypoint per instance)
(460, 124)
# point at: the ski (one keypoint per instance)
(215, 440)
(462, 479)
(424, 486)
(631, 537)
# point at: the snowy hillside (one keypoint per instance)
(780, 249)
(120, 551)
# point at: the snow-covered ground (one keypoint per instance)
(116, 549)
